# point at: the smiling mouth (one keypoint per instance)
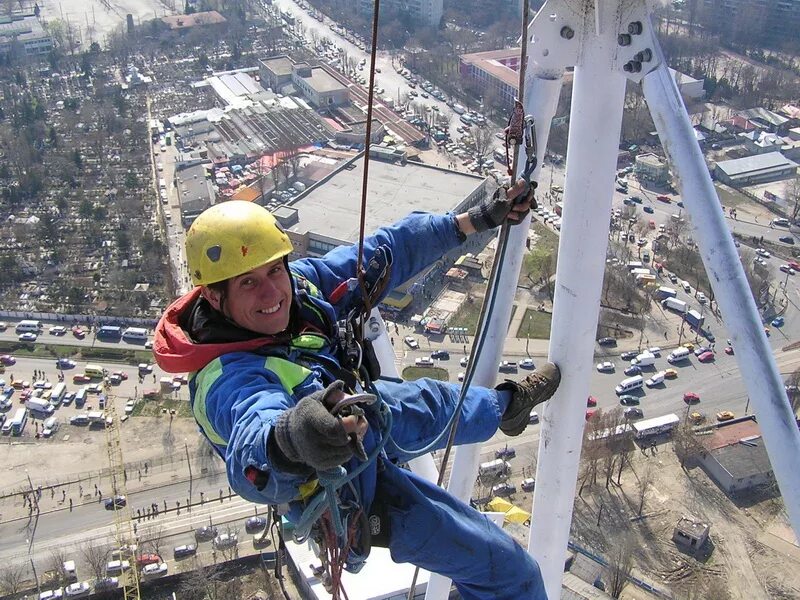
(270, 311)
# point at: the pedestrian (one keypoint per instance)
(63, 495)
(145, 468)
(80, 491)
(140, 474)
(276, 302)
(70, 505)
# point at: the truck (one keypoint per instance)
(95, 416)
(388, 101)
(694, 319)
(40, 406)
(494, 468)
(665, 292)
(675, 304)
(645, 359)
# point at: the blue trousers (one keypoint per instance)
(428, 526)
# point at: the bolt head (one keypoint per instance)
(624, 39)
(567, 32)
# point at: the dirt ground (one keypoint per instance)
(748, 555)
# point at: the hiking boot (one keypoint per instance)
(528, 393)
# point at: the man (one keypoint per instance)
(259, 336)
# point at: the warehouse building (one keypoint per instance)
(761, 168)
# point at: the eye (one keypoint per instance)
(246, 282)
(276, 269)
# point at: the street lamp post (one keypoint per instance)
(189, 464)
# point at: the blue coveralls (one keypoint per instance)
(238, 397)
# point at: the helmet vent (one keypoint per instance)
(214, 253)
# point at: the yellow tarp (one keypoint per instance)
(513, 514)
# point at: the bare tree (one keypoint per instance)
(12, 577)
(152, 539)
(792, 192)
(483, 139)
(55, 565)
(96, 556)
(645, 481)
(685, 443)
(620, 566)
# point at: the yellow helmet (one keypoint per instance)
(232, 238)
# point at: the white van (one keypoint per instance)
(494, 468)
(656, 379)
(50, 427)
(686, 287)
(645, 359)
(29, 327)
(678, 355)
(629, 384)
(135, 333)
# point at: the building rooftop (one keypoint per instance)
(333, 207)
(762, 114)
(25, 28)
(195, 192)
(210, 17)
(748, 458)
(496, 63)
(759, 162)
(320, 81)
(280, 65)
(730, 433)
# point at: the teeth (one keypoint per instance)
(269, 311)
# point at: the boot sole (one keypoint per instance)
(516, 424)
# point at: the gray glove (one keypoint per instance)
(492, 212)
(308, 433)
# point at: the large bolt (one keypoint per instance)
(635, 28)
(567, 32)
(623, 39)
(636, 66)
(645, 55)
(627, 67)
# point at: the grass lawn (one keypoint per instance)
(535, 324)
(467, 316)
(731, 198)
(154, 408)
(544, 250)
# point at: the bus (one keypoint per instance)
(656, 426)
(58, 393)
(109, 331)
(19, 420)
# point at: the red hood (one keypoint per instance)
(175, 352)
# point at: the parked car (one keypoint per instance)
(184, 551)
(255, 524)
(763, 253)
(106, 583)
(786, 239)
(464, 361)
(605, 367)
(440, 354)
(787, 269)
(7, 359)
(607, 341)
(526, 363)
(633, 370)
(507, 367)
(58, 330)
(729, 350)
(528, 484)
(630, 354)
(411, 342)
(117, 566)
(633, 412)
(75, 590)
(225, 540)
(52, 594)
(706, 357)
(147, 559)
(725, 415)
(504, 489)
(670, 374)
(590, 412)
(27, 337)
(154, 570)
(591, 401)
(648, 209)
(628, 400)
(425, 361)
(204, 534)
(81, 378)
(505, 453)
(533, 418)
(691, 398)
(701, 350)
(777, 322)
(78, 332)
(65, 363)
